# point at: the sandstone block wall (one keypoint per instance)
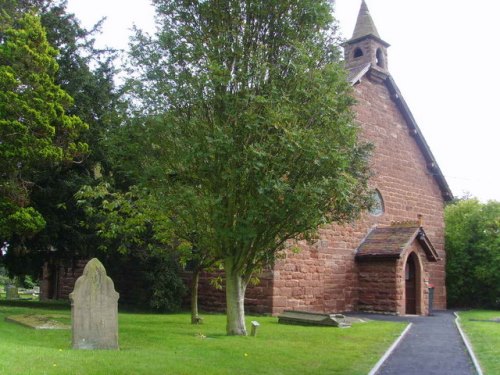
(59, 280)
(258, 298)
(325, 276)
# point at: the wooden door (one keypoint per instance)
(410, 286)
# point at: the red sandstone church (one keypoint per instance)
(387, 260)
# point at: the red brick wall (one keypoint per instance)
(324, 275)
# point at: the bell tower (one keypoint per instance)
(365, 46)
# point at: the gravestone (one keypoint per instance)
(94, 309)
(312, 319)
(11, 292)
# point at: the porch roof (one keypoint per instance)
(391, 242)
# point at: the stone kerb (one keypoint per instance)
(94, 309)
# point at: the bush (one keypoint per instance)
(147, 279)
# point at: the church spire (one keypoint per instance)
(364, 24)
(366, 46)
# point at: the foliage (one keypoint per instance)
(35, 128)
(151, 343)
(85, 73)
(147, 278)
(248, 134)
(4, 278)
(473, 253)
(131, 223)
(484, 337)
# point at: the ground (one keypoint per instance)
(156, 344)
(482, 328)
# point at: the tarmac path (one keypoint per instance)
(432, 346)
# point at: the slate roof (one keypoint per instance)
(356, 73)
(391, 242)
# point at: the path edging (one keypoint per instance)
(389, 351)
(468, 345)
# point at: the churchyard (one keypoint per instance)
(92, 337)
(482, 327)
(170, 344)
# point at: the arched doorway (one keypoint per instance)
(411, 284)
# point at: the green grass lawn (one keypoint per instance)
(169, 344)
(484, 337)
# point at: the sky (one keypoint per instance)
(443, 57)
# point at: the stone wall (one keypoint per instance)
(258, 298)
(324, 275)
(401, 173)
(58, 280)
(378, 286)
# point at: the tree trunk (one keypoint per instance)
(235, 301)
(195, 319)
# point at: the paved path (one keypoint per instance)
(432, 346)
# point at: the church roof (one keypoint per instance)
(391, 242)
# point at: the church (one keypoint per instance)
(392, 258)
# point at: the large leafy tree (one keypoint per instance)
(250, 134)
(86, 74)
(473, 253)
(35, 128)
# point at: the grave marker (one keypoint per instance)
(94, 309)
(11, 292)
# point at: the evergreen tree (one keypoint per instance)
(87, 75)
(35, 129)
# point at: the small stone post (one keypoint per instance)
(255, 326)
(94, 309)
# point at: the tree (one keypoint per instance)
(87, 75)
(130, 222)
(35, 129)
(252, 143)
(473, 253)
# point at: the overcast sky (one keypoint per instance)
(443, 57)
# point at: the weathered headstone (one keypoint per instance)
(11, 292)
(94, 309)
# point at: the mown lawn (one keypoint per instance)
(484, 337)
(169, 344)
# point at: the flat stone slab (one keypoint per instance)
(494, 320)
(39, 321)
(312, 319)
